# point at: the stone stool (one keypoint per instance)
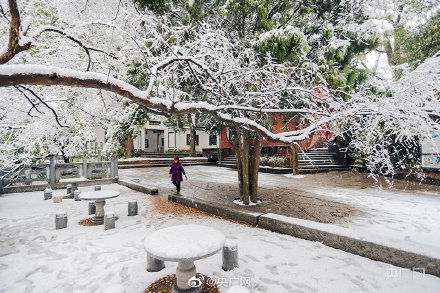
(57, 199)
(61, 220)
(69, 189)
(154, 191)
(97, 187)
(47, 193)
(109, 220)
(154, 264)
(132, 208)
(76, 194)
(230, 255)
(92, 208)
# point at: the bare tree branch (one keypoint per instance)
(43, 102)
(14, 46)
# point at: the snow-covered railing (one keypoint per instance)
(53, 172)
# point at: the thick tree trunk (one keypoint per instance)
(239, 165)
(294, 152)
(192, 137)
(245, 145)
(129, 148)
(254, 166)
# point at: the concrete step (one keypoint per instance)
(161, 165)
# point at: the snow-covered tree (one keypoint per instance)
(236, 61)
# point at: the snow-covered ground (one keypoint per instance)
(405, 219)
(410, 221)
(34, 257)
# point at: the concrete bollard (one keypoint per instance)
(230, 255)
(132, 208)
(61, 220)
(109, 220)
(92, 208)
(57, 199)
(97, 187)
(154, 264)
(76, 195)
(47, 193)
(69, 189)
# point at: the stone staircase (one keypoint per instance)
(318, 160)
(228, 161)
(159, 162)
(310, 161)
(161, 155)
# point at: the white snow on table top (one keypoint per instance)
(98, 194)
(34, 257)
(184, 242)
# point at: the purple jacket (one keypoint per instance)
(176, 171)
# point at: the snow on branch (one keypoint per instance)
(13, 75)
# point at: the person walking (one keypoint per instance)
(176, 172)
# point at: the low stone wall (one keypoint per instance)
(250, 218)
(139, 187)
(41, 187)
(363, 248)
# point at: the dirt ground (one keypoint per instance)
(279, 194)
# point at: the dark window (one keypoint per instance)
(188, 139)
(162, 141)
(212, 139)
(146, 143)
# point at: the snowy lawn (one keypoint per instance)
(405, 220)
(34, 257)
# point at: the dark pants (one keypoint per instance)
(177, 184)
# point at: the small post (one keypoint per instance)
(92, 208)
(112, 169)
(97, 187)
(115, 167)
(230, 255)
(74, 187)
(61, 220)
(76, 195)
(109, 220)
(69, 189)
(154, 264)
(47, 193)
(84, 170)
(52, 167)
(132, 208)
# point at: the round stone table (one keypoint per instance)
(99, 197)
(184, 244)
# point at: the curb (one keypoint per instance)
(41, 187)
(359, 247)
(138, 187)
(250, 218)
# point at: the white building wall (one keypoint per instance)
(173, 140)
